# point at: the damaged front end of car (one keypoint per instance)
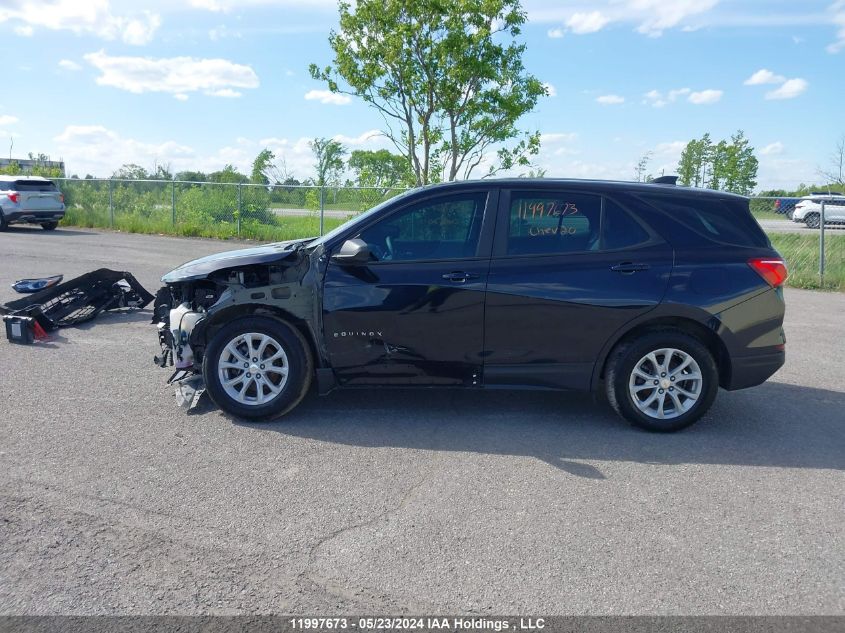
(202, 295)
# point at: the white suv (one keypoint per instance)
(30, 200)
(809, 210)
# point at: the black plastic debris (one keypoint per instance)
(26, 286)
(80, 299)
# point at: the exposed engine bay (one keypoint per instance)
(203, 295)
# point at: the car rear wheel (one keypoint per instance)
(3, 224)
(257, 368)
(662, 381)
(812, 220)
(49, 226)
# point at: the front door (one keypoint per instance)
(414, 315)
(568, 270)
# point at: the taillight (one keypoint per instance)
(773, 270)
(14, 196)
(777, 204)
(62, 198)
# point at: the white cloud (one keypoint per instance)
(327, 96)
(67, 64)
(88, 16)
(610, 99)
(139, 31)
(99, 151)
(657, 99)
(772, 149)
(176, 75)
(659, 15)
(8, 119)
(705, 97)
(838, 19)
(24, 30)
(179, 96)
(581, 23)
(764, 76)
(224, 6)
(550, 89)
(790, 89)
(650, 17)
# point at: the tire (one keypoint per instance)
(812, 220)
(276, 336)
(3, 224)
(623, 385)
(49, 226)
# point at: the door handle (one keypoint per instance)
(628, 268)
(459, 276)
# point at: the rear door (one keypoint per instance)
(569, 268)
(38, 195)
(414, 315)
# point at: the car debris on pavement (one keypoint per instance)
(72, 302)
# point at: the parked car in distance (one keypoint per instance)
(653, 294)
(785, 205)
(30, 200)
(809, 210)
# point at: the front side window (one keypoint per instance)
(444, 228)
(547, 223)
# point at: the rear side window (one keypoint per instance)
(545, 223)
(619, 229)
(34, 185)
(720, 220)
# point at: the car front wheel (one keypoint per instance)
(257, 368)
(662, 381)
(49, 226)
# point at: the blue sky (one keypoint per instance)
(197, 84)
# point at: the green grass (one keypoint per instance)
(285, 228)
(801, 253)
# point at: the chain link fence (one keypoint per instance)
(209, 209)
(814, 250)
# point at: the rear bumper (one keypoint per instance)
(33, 217)
(750, 371)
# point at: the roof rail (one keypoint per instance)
(664, 180)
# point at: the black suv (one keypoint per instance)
(653, 293)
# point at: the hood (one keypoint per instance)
(204, 266)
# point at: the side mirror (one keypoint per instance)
(353, 252)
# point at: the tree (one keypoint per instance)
(446, 77)
(380, 169)
(642, 166)
(836, 172)
(261, 165)
(726, 165)
(192, 176)
(228, 174)
(131, 171)
(329, 154)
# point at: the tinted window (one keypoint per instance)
(544, 223)
(446, 228)
(34, 185)
(619, 229)
(719, 220)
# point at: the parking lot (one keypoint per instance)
(112, 500)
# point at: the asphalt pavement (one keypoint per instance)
(113, 501)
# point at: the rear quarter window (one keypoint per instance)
(34, 185)
(723, 220)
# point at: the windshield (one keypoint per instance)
(358, 219)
